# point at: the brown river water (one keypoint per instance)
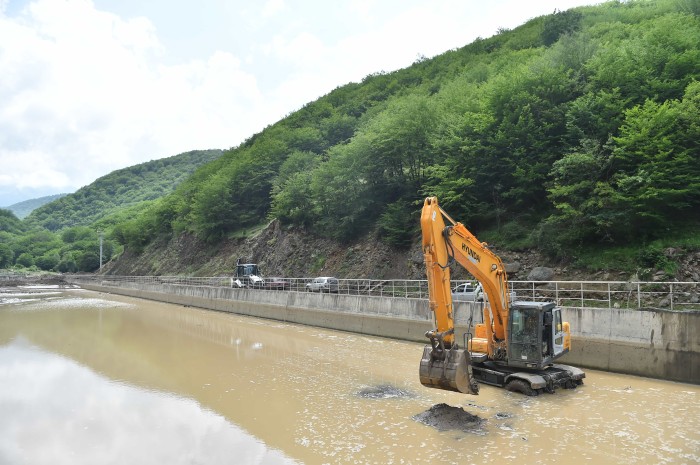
(92, 378)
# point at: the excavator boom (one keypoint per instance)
(444, 365)
(443, 244)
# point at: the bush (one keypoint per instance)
(48, 261)
(25, 260)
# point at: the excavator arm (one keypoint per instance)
(444, 365)
(445, 243)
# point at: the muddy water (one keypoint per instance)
(96, 378)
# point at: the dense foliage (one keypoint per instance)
(120, 189)
(576, 128)
(75, 249)
(64, 235)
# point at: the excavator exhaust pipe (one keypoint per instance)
(448, 369)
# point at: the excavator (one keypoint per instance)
(516, 345)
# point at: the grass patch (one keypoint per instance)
(250, 231)
(318, 263)
(642, 257)
(510, 236)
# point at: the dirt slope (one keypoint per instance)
(294, 252)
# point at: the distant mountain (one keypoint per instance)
(23, 209)
(120, 189)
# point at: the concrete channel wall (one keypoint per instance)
(657, 344)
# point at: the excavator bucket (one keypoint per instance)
(449, 369)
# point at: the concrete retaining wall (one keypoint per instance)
(655, 343)
(658, 344)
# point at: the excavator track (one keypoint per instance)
(545, 380)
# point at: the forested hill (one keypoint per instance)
(119, 190)
(574, 130)
(23, 209)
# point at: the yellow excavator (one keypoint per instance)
(517, 343)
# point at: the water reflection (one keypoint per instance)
(53, 410)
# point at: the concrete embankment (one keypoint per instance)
(658, 344)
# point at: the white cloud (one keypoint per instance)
(273, 7)
(84, 93)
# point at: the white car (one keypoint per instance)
(473, 292)
(323, 284)
(468, 292)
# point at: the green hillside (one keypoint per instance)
(119, 190)
(574, 131)
(64, 235)
(23, 209)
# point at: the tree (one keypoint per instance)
(67, 264)
(657, 162)
(558, 24)
(6, 256)
(580, 215)
(341, 192)
(25, 260)
(48, 261)
(595, 116)
(399, 139)
(293, 202)
(399, 223)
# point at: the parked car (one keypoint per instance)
(323, 284)
(278, 284)
(473, 292)
(468, 292)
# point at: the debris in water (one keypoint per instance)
(444, 417)
(384, 391)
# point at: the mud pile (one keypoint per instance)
(444, 417)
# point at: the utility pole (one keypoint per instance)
(100, 250)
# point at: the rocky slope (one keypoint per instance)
(294, 252)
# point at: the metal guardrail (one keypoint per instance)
(613, 294)
(573, 294)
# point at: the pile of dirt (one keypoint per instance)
(444, 417)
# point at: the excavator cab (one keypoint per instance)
(536, 334)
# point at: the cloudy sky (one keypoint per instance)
(91, 86)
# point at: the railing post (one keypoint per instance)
(671, 294)
(639, 296)
(609, 299)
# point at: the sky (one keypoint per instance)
(91, 86)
